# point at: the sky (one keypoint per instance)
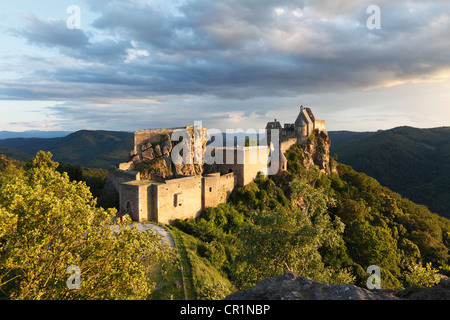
(231, 64)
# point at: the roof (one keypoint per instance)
(303, 117)
(273, 125)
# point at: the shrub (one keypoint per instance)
(422, 277)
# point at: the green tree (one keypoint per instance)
(289, 240)
(48, 223)
(422, 277)
(369, 245)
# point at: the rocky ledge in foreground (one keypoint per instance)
(292, 287)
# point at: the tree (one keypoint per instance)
(48, 223)
(289, 240)
(369, 245)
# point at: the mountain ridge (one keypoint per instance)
(411, 161)
(90, 148)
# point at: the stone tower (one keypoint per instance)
(301, 129)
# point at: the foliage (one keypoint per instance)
(392, 156)
(422, 277)
(328, 227)
(48, 223)
(261, 233)
(384, 229)
(203, 278)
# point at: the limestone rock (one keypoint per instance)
(146, 146)
(126, 166)
(441, 291)
(317, 152)
(133, 154)
(158, 152)
(155, 148)
(158, 170)
(148, 155)
(291, 287)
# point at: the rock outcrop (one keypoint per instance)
(317, 151)
(153, 157)
(441, 291)
(291, 287)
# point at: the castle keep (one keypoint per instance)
(167, 177)
(299, 131)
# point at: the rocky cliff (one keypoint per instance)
(317, 151)
(314, 152)
(154, 158)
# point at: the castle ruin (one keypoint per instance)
(153, 185)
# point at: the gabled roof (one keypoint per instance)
(303, 117)
(310, 114)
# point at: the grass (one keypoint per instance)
(170, 287)
(202, 280)
(185, 263)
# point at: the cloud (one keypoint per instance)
(231, 50)
(50, 32)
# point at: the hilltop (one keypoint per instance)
(413, 162)
(96, 149)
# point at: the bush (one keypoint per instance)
(422, 277)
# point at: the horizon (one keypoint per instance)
(114, 65)
(224, 132)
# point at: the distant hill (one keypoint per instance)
(413, 162)
(15, 154)
(341, 137)
(94, 149)
(33, 134)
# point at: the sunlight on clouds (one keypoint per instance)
(279, 11)
(438, 76)
(133, 54)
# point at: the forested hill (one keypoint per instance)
(329, 228)
(413, 162)
(343, 136)
(96, 149)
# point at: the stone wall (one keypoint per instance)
(319, 125)
(158, 157)
(129, 200)
(256, 161)
(285, 145)
(178, 199)
(244, 162)
(117, 177)
(217, 189)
